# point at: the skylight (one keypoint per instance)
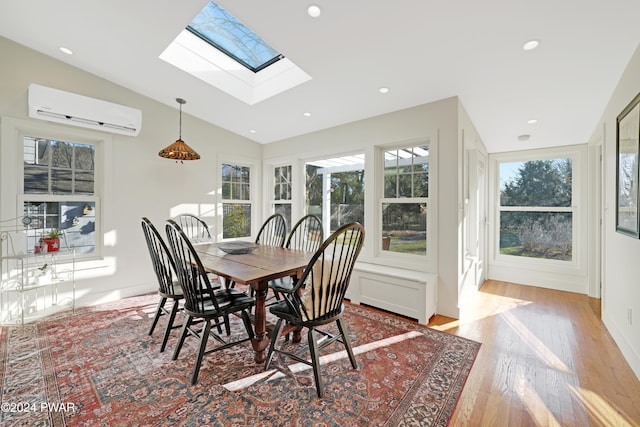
(223, 31)
(219, 50)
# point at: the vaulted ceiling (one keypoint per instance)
(422, 50)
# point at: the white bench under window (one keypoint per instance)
(407, 292)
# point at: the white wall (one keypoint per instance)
(621, 254)
(470, 259)
(141, 183)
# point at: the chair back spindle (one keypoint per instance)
(191, 274)
(328, 274)
(273, 232)
(193, 227)
(163, 263)
(306, 235)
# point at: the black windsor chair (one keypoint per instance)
(168, 286)
(325, 281)
(306, 235)
(204, 306)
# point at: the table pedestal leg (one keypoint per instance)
(260, 341)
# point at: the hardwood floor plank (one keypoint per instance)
(546, 359)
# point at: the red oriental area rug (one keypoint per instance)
(99, 367)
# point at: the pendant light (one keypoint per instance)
(179, 150)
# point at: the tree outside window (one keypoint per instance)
(536, 212)
(343, 181)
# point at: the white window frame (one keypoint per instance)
(12, 163)
(397, 258)
(272, 197)
(254, 172)
(537, 271)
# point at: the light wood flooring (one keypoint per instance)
(546, 360)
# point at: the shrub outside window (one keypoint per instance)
(536, 209)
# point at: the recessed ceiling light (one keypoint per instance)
(252, 131)
(532, 121)
(383, 90)
(306, 114)
(314, 11)
(524, 137)
(66, 50)
(531, 44)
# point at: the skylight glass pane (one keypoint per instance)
(219, 28)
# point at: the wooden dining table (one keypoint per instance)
(256, 269)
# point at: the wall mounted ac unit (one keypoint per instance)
(55, 105)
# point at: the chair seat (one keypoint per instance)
(283, 311)
(283, 284)
(229, 300)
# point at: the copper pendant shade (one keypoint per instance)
(179, 150)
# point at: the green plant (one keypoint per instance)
(87, 207)
(54, 233)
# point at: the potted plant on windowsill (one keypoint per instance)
(52, 240)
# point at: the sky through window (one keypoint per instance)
(222, 30)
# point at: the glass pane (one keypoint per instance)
(313, 196)
(61, 154)
(36, 179)
(61, 181)
(390, 187)
(347, 198)
(244, 192)
(84, 183)
(244, 175)
(404, 185)
(282, 180)
(536, 183)
(36, 151)
(84, 157)
(421, 185)
(236, 220)
(223, 31)
(74, 219)
(546, 235)
(404, 228)
(226, 190)
(284, 209)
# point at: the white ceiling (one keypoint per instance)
(423, 50)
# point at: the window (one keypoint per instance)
(223, 31)
(405, 200)
(282, 192)
(335, 190)
(236, 201)
(219, 50)
(59, 192)
(536, 212)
